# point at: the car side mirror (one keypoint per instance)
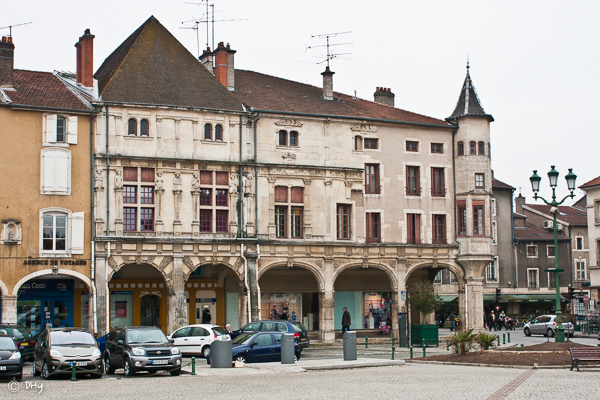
(252, 345)
(171, 340)
(119, 341)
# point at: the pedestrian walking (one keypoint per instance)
(491, 318)
(346, 321)
(228, 328)
(501, 320)
(206, 317)
(452, 317)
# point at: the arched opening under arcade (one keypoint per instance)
(290, 293)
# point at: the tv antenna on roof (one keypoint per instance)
(206, 19)
(330, 56)
(11, 26)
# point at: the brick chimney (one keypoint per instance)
(206, 59)
(327, 84)
(85, 59)
(7, 61)
(384, 96)
(224, 69)
(519, 203)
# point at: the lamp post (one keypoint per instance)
(535, 185)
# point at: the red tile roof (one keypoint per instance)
(533, 234)
(593, 182)
(43, 89)
(269, 93)
(152, 67)
(570, 215)
(501, 185)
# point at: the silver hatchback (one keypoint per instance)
(545, 325)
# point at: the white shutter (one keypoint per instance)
(62, 171)
(77, 233)
(48, 167)
(51, 128)
(72, 130)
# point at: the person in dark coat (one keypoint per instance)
(492, 320)
(346, 321)
(206, 316)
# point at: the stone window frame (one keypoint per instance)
(537, 278)
(530, 254)
(491, 271)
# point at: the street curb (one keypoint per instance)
(490, 365)
(353, 366)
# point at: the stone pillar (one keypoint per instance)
(307, 209)
(177, 221)
(271, 227)
(253, 284)
(474, 296)
(326, 304)
(196, 218)
(9, 309)
(196, 139)
(329, 209)
(99, 201)
(177, 138)
(159, 224)
(394, 310)
(119, 219)
(102, 299)
(176, 315)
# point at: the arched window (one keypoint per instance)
(461, 148)
(219, 133)
(207, 132)
(132, 127)
(144, 128)
(481, 150)
(282, 138)
(293, 138)
(473, 148)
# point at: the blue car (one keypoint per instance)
(296, 328)
(102, 343)
(260, 347)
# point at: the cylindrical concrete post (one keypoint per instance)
(350, 346)
(287, 349)
(221, 354)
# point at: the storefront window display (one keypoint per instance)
(121, 308)
(282, 306)
(45, 303)
(376, 310)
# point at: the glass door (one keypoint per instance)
(150, 311)
(60, 314)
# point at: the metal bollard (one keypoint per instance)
(411, 351)
(424, 347)
(504, 338)
(393, 347)
(367, 342)
(498, 340)
(193, 365)
(447, 344)
(73, 374)
(508, 337)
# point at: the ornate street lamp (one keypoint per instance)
(535, 185)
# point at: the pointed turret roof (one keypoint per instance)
(468, 101)
(152, 67)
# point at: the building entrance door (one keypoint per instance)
(150, 311)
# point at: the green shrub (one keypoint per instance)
(462, 341)
(486, 340)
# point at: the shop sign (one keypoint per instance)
(214, 300)
(47, 287)
(53, 262)
(402, 295)
(120, 309)
(122, 292)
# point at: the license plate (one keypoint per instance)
(24, 344)
(303, 339)
(159, 362)
(2, 368)
(79, 363)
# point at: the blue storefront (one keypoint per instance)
(46, 303)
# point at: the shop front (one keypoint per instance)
(292, 306)
(138, 303)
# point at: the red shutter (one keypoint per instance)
(147, 174)
(297, 195)
(418, 185)
(377, 179)
(378, 216)
(409, 227)
(206, 177)
(281, 194)
(417, 228)
(368, 235)
(130, 174)
(222, 178)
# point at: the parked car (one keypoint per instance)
(102, 342)
(11, 361)
(545, 325)
(22, 337)
(140, 348)
(196, 339)
(260, 347)
(297, 328)
(59, 349)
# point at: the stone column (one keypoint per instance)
(177, 138)
(253, 284)
(196, 139)
(474, 295)
(159, 224)
(326, 304)
(394, 310)
(271, 226)
(307, 209)
(99, 209)
(119, 219)
(196, 218)
(328, 210)
(102, 299)
(176, 315)
(9, 309)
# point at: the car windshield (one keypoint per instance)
(219, 331)
(21, 333)
(66, 338)
(7, 343)
(299, 327)
(143, 336)
(244, 338)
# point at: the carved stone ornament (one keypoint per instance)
(112, 263)
(365, 263)
(319, 263)
(336, 264)
(119, 179)
(289, 122)
(196, 181)
(233, 183)
(158, 183)
(177, 182)
(290, 262)
(364, 128)
(238, 264)
(188, 263)
(98, 180)
(288, 156)
(165, 261)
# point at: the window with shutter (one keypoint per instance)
(281, 194)
(77, 233)
(414, 228)
(343, 221)
(481, 148)
(439, 229)
(56, 171)
(372, 178)
(437, 182)
(219, 133)
(206, 177)
(472, 148)
(132, 127)
(144, 128)
(130, 174)
(373, 232)
(297, 195)
(222, 178)
(207, 132)
(147, 174)
(413, 179)
(51, 128)
(461, 208)
(72, 130)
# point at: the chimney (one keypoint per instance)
(384, 96)
(519, 203)
(206, 59)
(223, 65)
(327, 84)
(85, 59)
(7, 61)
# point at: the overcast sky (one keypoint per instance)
(535, 64)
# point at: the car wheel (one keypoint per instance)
(527, 332)
(206, 351)
(108, 368)
(550, 333)
(45, 371)
(128, 368)
(175, 372)
(35, 371)
(241, 358)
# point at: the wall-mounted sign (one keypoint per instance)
(54, 262)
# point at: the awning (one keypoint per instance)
(522, 298)
(447, 298)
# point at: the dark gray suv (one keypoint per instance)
(140, 348)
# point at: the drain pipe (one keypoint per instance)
(107, 177)
(107, 305)
(256, 185)
(92, 303)
(240, 190)
(249, 309)
(257, 285)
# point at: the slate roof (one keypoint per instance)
(269, 93)
(42, 89)
(535, 234)
(570, 215)
(593, 182)
(501, 185)
(468, 102)
(152, 67)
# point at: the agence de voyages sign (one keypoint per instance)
(54, 262)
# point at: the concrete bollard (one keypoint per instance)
(287, 348)
(221, 354)
(350, 346)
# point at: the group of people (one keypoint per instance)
(495, 321)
